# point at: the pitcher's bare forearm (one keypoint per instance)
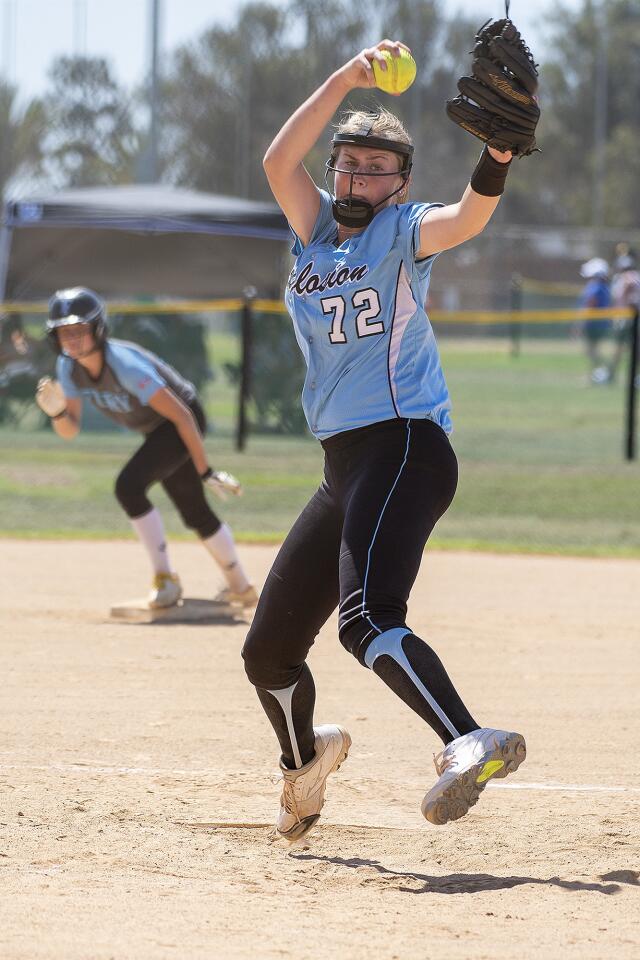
(301, 131)
(292, 187)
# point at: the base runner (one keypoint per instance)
(140, 391)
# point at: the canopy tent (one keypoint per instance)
(140, 241)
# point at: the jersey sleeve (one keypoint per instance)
(411, 217)
(63, 376)
(324, 229)
(135, 372)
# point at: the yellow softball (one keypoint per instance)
(399, 75)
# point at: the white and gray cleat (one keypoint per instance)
(465, 766)
(302, 796)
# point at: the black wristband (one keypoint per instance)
(62, 413)
(205, 476)
(489, 176)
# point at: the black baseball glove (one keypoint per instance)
(498, 103)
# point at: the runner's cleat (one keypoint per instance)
(231, 598)
(303, 789)
(165, 591)
(465, 766)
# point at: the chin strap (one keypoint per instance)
(353, 212)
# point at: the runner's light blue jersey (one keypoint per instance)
(359, 319)
(128, 380)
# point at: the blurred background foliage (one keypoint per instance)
(540, 447)
(225, 94)
(540, 452)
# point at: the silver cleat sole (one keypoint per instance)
(465, 790)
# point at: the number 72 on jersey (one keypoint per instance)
(366, 302)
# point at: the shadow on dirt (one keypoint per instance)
(469, 882)
(623, 876)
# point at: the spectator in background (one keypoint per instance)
(22, 361)
(625, 292)
(596, 294)
(16, 350)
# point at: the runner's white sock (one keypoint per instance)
(223, 550)
(150, 531)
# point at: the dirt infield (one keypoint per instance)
(136, 774)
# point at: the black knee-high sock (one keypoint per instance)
(290, 712)
(442, 708)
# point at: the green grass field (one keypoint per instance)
(540, 451)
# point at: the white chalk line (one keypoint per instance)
(90, 768)
(564, 787)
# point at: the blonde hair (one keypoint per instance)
(382, 123)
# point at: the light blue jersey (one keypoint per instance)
(129, 378)
(359, 319)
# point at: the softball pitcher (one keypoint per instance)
(140, 391)
(376, 399)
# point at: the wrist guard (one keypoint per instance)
(489, 176)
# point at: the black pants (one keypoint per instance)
(358, 543)
(163, 458)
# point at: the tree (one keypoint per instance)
(213, 103)
(227, 94)
(21, 137)
(444, 155)
(92, 139)
(560, 188)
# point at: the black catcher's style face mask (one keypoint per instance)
(77, 305)
(353, 211)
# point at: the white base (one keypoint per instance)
(187, 610)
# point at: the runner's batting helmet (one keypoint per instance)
(76, 305)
